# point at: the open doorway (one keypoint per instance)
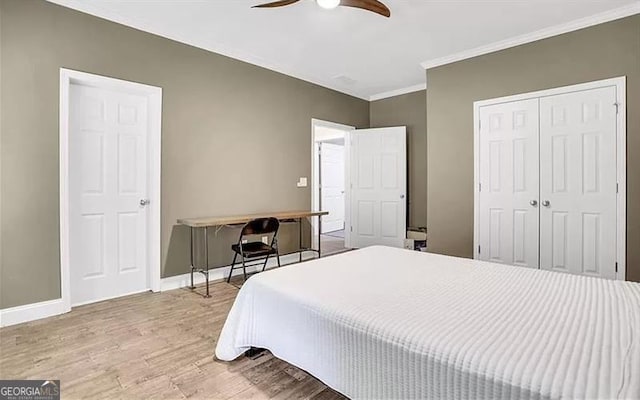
(330, 166)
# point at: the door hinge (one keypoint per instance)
(480, 124)
(479, 187)
(352, 229)
(479, 252)
(616, 267)
(617, 187)
(617, 107)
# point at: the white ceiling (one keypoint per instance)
(350, 50)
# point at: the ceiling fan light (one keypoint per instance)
(328, 4)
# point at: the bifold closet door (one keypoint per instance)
(509, 188)
(578, 182)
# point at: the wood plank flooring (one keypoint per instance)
(150, 345)
(332, 245)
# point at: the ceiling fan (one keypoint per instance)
(369, 5)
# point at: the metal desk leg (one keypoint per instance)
(300, 237)
(191, 257)
(206, 258)
(319, 235)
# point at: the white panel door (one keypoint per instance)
(578, 182)
(108, 179)
(379, 187)
(332, 186)
(508, 205)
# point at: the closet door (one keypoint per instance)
(578, 182)
(508, 203)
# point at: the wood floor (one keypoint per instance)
(151, 345)
(332, 245)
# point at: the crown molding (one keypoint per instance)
(92, 8)
(571, 26)
(219, 48)
(398, 92)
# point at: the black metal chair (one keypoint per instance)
(254, 251)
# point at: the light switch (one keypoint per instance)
(302, 182)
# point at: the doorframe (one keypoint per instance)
(620, 84)
(154, 96)
(315, 168)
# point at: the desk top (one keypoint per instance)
(242, 219)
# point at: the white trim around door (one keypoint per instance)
(315, 171)
(621, 162)
(154, 95)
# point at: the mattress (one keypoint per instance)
(390, 323)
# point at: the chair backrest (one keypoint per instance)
(261, 226)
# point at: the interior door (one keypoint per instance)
(578, 182)
(508, 204)
(332, 186)
(379, 187)
(108, 180)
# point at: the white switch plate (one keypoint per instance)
(302, 182)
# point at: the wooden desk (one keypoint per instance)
(219, 222)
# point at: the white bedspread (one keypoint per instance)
(389, 323)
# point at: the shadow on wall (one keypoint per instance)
(177, 260)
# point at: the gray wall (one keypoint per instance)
(224, 123)
(599, 52)
(410, 110)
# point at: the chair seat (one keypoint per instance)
(254, 249)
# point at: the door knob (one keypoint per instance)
(402, 196)
(144, 202)
(546, 203)
(534, 203)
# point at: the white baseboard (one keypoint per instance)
(218, 274)
(31, 312)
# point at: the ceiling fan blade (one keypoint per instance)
(369, 5)
(280, 3)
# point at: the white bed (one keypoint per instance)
(389, 323)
